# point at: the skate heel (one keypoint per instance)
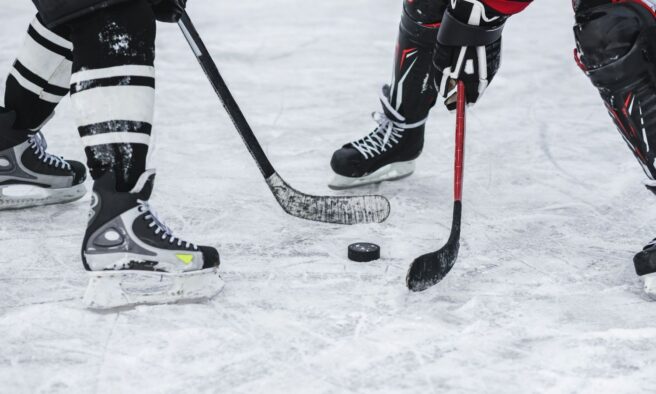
(390, 172)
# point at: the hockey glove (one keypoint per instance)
(468, 49)
(169, 11)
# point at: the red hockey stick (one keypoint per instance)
(431, 268)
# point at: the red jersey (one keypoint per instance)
(507, 7)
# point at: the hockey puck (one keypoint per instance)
(363, 252)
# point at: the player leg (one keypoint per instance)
(616, 47)
(132, 256)
(389, 151)
(38, 80)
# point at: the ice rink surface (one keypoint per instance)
(542, 300)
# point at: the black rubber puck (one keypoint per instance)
(363, 252)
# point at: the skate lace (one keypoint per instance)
(39, 145)
(387, 134)
(159, 227)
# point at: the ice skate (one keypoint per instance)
(388, 153)
(133, 258)
(29, 175)
(645, 266)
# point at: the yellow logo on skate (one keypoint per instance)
(185, 258)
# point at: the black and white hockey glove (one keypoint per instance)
(168, 10)
(468, 49)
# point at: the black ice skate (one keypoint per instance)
(30, 176)
(645, 266)
(134, 258)
(386, 154)
(645, 260)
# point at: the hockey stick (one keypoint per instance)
(327, 209)
(431, 268)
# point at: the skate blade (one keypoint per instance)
(26, 196)
(390, 172)
(114, 289)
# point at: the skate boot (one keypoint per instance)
(386, 154)
(645, 266)
(133, 258)
(30, 176)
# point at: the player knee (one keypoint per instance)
(609, 33)
(421, 18)
(425, 11)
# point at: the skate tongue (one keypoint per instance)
(388, 109)
(394, 115)
(7, 119)
(144, 185)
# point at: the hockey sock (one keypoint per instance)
(113, 88)
(40, 76)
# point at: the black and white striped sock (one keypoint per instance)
(114, 105)
(113, 89)
(40, 76)
(114, 113)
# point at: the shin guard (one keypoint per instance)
(412, 93)
(616, 48)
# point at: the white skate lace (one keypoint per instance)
(160, 227)
(38, 144)
(387, 134)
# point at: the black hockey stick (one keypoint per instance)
(328, 209)
(431, 268)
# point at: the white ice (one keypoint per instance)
(543, 299)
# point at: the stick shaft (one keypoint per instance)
(460, 142)
(221, 89)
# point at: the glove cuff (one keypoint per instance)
(453, 32)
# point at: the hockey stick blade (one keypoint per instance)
(329, 209)
(428, 270)
(431, 268)
(337, 210)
